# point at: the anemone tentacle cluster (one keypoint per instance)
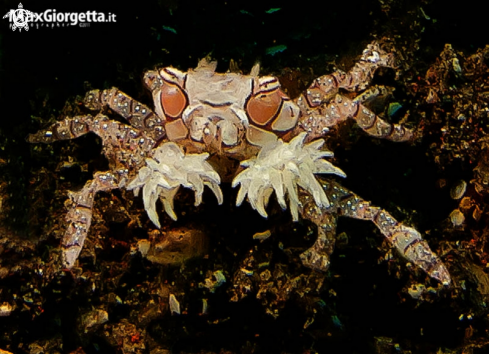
(169, 169)
(281, 167)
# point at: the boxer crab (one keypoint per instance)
(203, 118)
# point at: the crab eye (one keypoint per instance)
(173, 100)
(263, 107)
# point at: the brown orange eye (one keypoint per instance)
(264, 106)
(173, 100)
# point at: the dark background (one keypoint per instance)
(42, 68)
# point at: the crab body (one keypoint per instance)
(200, 114)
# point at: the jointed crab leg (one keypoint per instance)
(322, 106)
(317, 257)
(79, 216)
(357, 79)
(66, 129)
(123, 145)
(316, 121)
(406, 239)
(137, 114)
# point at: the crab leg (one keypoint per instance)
(111, 132)
(137, 114)
(317, 121)
(405, 239)
(79, 216)
(357, 79)
(323, 107)
(317, 257)
(372, 92)
(122, 145)
(69, 128)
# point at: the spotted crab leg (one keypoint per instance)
(316, 121)
(137, 114)
(323, 107)
(357, 79)
(126, 150)
(79, 216)
(406, 240)
(121, 142)
(317, 257)
(69, 128)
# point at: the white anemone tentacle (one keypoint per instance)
(281, 167)
(166, 171)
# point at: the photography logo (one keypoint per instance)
(21, 18)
